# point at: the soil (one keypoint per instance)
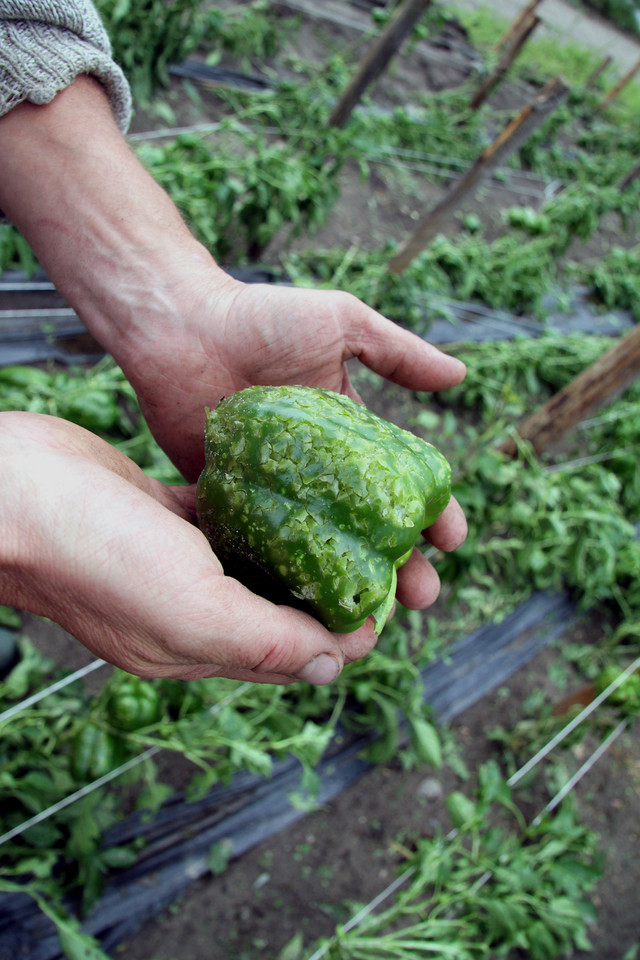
(303, 879)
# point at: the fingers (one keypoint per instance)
(57, 435)
(399, 355)
(260, 641)
(418, 581)
(450, 529)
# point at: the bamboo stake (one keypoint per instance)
(599, 383)
(517, 24)
(377, 58)
(629, 75)
(504, 64)
(516, 132)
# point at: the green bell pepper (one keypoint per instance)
(134, 703)
(95, 752)
(311, 499)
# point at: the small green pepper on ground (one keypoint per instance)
(95, 753)
(307, 494)
(134, 703)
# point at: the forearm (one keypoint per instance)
(107, 235)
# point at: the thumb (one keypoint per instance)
(400, 355)
(277, 644)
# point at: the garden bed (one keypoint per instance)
(293, 880)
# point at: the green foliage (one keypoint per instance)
(147, 36)
(250, 32)
(484, 25)
(273, 185)
(623, 13)
(491, 887)
(503, 273)
(615, 279)
(67, 740)
(15, 252)
(535, 527)
(546, 56)
(515, 271)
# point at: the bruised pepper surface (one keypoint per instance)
(307, 492)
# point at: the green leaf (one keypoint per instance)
(460, 808)
(294, 949)
(9, 617)
(40, 867)
(426, 741)
(253, 758)
(28, 671)
(382, 749)
(219, 856)
(77, 945)
(118, 857)
(507, 916)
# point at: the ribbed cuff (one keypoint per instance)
(46, 44)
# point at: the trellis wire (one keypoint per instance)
(151, 751)
(77, 795)
(433, 163)
(112, 775)
(52, 688)
(594, 458)
(579, 774)
(599, 751)
(575, 722)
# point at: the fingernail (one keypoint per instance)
(321, 670)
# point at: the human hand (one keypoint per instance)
(232, 335)
(183, 331)
(110, 554)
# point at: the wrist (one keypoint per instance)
(105, 232)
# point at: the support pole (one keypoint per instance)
(512, 137)
(599, 70)
(505, 62)
(517, 25)
(600, 383)
(377, 58)
(620, 85)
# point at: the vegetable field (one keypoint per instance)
(470, 789)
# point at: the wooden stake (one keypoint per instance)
(599, 70)
(598, 384)
(516, 132)
(504, 64)
(377, 58)
(516, 26)
(629, 75)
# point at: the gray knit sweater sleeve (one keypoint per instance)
(45, 44)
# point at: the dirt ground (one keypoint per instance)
(300, 880)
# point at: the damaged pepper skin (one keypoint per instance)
(312, 500)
